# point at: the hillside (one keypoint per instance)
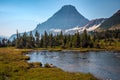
(112, 23)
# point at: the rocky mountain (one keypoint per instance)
(95, 23)
(67, 17)
(90, 26)
(111, 23)
(69, 20)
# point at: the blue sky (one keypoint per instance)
(24, 15)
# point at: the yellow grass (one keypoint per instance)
(13, 66)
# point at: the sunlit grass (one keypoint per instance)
(13, 66)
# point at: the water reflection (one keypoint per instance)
(104, 64)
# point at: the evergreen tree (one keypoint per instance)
(24, 39)
(31, 40)
(45, 40)
(84, 39)
(0, 44)
(37, 37)
(77, 40)
(64, 41)
(17, 39)
(4, 41)
(41, 42)
(70, 44)
(13, 42)
(8, 43)
(61, 38)
(51, 40)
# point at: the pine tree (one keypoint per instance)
(0, 44)
(51, 40)
(77, 40)
(61, 38)
(4, 42)
(37, 37)
(17, 39)
(64, 41)
(31, 40)
(84, 39)
(41, 42)
(70, 44)
(8, 43)
(24, 39)
(45, 40)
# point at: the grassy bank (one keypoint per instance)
(13, 66)
(108, 48)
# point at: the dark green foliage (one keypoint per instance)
(51, 40)
(87, 41)
(37, 39)
(47, 65)
(76, 40)
(45, 39)
(35, 64)
(25, 41)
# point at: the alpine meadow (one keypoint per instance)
(53, 40)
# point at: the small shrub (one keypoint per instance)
(35, 64)
(47, 65)
(26, 58)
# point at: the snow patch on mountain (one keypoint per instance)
(93, 27)
(81, 29)
(55, 30)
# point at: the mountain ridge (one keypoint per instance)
(90, 26)
(111, 22)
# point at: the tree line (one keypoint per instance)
(77, 40)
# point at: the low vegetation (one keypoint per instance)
(13, 66)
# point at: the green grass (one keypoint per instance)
(13, 66)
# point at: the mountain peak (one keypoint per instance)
(65, 18)
(67, 10)
(68, 7)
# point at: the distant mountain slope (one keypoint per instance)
(112, 22)
(90, 26)
(67, 17)
(2, 37)
(95, 23)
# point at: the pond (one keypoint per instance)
(103, 64)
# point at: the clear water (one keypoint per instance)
(104, 64)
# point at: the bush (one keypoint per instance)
(35, 64)
(47, 65)
(26, 58)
